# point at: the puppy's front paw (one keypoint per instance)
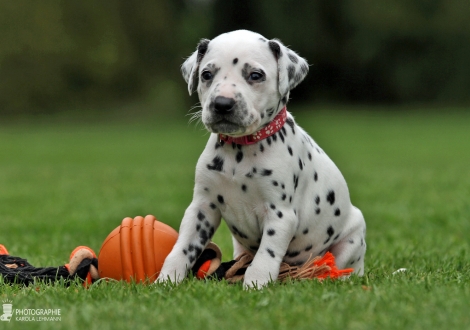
(172, 276)
(173, 271)
(258, 278)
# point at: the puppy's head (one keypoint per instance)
(243, 80)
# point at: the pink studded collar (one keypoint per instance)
(272, 128)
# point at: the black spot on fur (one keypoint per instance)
(281, 136)
(203, 236)
(309, 155)
(308, 248)
(290, 72)
(185, 251)
(317, 210)
(283, 197)
(293, 58)
(239, 233)
(283, 130)
(300, 164)
(317, 200)
(212, 206)
(262, 39)
(219, 144)
(292, 254)
(244, 187)
(270, 111)
(266, 172)
(271, 232)
(351, 241)
(261, 147)
(337, 212)
(200, 216)
(235, 61)
(330, 197)
(268, 139)
(272, 206)
(290, 150)
(220, 198)
(239, 156)
(279, 214)
(305, 232)
(274, 182)
(275, 48)
(198, 227)
(336, 237)
(296, 182)
(315, 176)
(202, 49)
(330, 231)
(217, 164)
(291, 123)
(271, 252)
(274, 137)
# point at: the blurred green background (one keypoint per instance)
(59, 56)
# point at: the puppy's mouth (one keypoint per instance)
(224, 126)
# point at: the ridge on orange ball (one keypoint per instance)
(135, 250)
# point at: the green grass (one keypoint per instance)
(64, 185)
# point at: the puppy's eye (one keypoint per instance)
(206, 75)
(256, 76)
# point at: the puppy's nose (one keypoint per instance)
(223, 105)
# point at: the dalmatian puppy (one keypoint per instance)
(281, 196)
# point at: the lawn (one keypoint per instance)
(64, 184)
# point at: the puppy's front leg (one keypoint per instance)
(199, 223)
(279, 228)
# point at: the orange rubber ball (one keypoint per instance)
(135, 250)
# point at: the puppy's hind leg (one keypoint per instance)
(350, 251)
(238, 249)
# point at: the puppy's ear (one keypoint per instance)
(292, 68)
(190, 67)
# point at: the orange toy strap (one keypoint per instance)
(329, 260)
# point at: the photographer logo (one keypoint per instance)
(29, 314)
(7, 311)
